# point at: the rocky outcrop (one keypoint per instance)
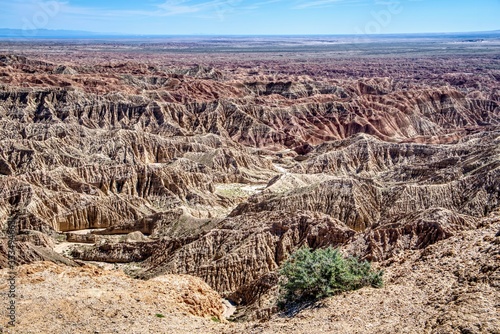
(99, 195)
(364, 182)
(448, 287)
(240, 251)
(414, 231)
(82, 238)
(30, 246)
(124, 252)
(356, 203)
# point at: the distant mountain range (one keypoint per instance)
(49, 33)
(46, 33)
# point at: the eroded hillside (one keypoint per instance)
(222, 167)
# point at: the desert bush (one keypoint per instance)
(313, 275)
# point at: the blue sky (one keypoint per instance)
(253, 17)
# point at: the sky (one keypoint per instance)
(260, 17)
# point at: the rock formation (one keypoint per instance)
(221, 167)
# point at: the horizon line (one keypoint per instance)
(81, 34)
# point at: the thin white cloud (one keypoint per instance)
(325, 3)
(177, 7)
(206, 9)
(257, 5)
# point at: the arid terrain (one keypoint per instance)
(158, 188)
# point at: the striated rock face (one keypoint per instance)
(135, 141)
(350, 201)
(218, 169)
(449, 287)
(28, 245)
(107, 191)
(238, 257)
(240, 250)
(413, 231)
(370, 185)
(31, 248)
(116, 252)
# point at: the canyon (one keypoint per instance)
(140, 168)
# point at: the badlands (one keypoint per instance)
(158, 187)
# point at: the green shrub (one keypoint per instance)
(159, 315)
(312, 275)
